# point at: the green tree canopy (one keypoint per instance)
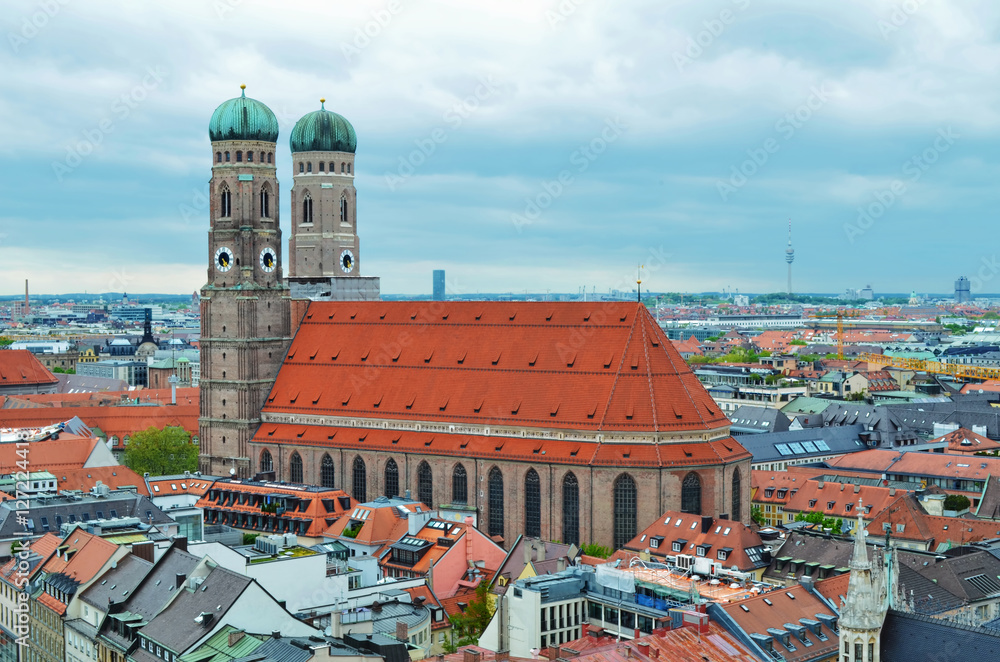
(469, 625)
(161, 452)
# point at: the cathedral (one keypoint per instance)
(531, 418)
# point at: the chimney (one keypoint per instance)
(143, 550)
(706, 523)
(402, 631)
(376, 607)
(560, 564)
(643, 648)
(892, 491)
(276, 634)
(234, 637)
(857, 488)
(820, 486)
(181, 543)
(471, 656)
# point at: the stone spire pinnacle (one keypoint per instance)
(859, 560)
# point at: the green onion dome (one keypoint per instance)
(323, 131)
(243, 118)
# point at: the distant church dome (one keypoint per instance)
(243, 118)
(323, 131)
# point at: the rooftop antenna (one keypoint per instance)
(638, 282)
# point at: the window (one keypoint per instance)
(225, 202)
(302, 168)
(295, 468)
(265, 202)
(359, 484)
(571, 510)
(691, 494)
(459, 485)
(326, 471)
(495, 502)
(218, 157)
(343, 211)
(532, 504)
(624, 510)
(737, 510)
(266, 462)
(342, 166)
(269, 156)
(425, 485)
(239, 157)
(333, 168)
(227, 157)
(391, 478)
(309, 167)
(348, 168)
(307, 209)
(249, 157)
(321, 166)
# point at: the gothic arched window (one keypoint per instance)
(295, 468)
(309, 167)
(625, 510)
(265, 201)
(691, 494)
(266, 462)
(225, 202)
(321, 164)
(532, 504)
(341, 166)
(348, 168)
(571, 510)
(737, 511)
(307, 209)
(239, 156)
(360, 483)
(459, 485)
(249, 157)
(218, 157)
(227, 157)
(495, 502)
(262, 157)
(302, 167)
(269, 156)
(333, 167)
(425, 485)
(391, 478)
(326, 471)
(343, 211)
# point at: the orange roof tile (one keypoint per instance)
(54, 455)
(673, 526)
(966, 441)
(117, 422)
(193, 484)
(584, 366)
(908, 521)
(19, 367)
(841, 499)
(833, 588)
(774, 609)
(86, 478)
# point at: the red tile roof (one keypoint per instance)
(193, 484)
(583, 366)
(322, 506)
(966, 441)
(55, 455)
(673, 526)
(79, 556)
(85, 478)
(186, 395)
(19, 367)
(841, 499)
(117, 422)
(684, 644)
(833, 588)
(915, 463)
(908, 521)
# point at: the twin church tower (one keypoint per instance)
(246, 305)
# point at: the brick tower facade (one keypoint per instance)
(245, 305)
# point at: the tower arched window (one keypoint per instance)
(532, 504)
(425, 485)
(218, 157)
(691, 494)
(225, 202)
(270, 155)
(321, 164)
(342, 167)
(262, 157)
(459, 485)
(737, 511)
(309, 167)
(571, 510)
(249, 157)
(391, 478)
(307, 209)
(266, 461)
(333, 167)
(624, 510)
(265, 201)
(495, 502)
(227, 157)
(239, 156)
(348, 168)
(327, 472)
(343, 211)
(302, 167)
(295, 468)
(359, 483)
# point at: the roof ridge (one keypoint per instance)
(618, 372)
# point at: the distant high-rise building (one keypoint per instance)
(438, 285)
(866, 293)
(789, 256)
(962, 291)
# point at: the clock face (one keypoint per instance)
(223, 259)
(268, 260)
(347, 261)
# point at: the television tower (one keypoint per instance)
(789, 256)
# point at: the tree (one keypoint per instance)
(796, 341)
(5, 341)
(593, 549)
(817, 517)
(956, 502)
(469, 625)
(161, 452)
(757, 516)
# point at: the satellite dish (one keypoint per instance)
(232, 471)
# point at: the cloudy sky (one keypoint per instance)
(520, 144)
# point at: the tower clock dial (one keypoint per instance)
(347, 261)
(268, 260)
(224, 259)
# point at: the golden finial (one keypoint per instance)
(243, 87)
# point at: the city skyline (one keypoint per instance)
(567, 143)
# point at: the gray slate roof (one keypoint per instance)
(750, 419)
(122, 579)
(87, 507)
(839, 440)
(913, 638)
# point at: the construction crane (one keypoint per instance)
(963, 372)
(840, 314)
